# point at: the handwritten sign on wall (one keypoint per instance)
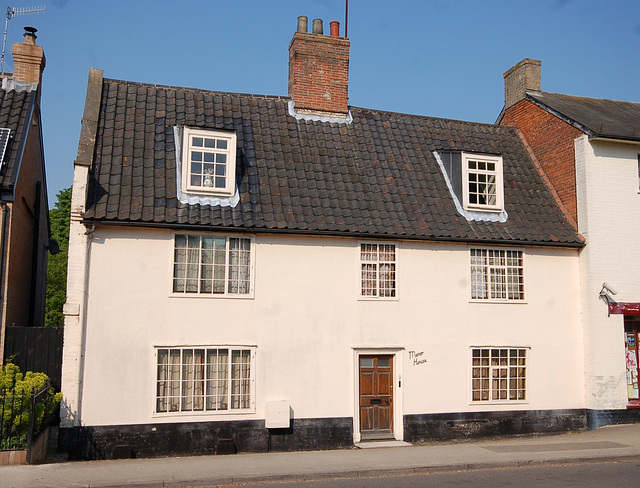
(417, 358)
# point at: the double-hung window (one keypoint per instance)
(212, 265)
(482, 182)
(497, 274)
(209, 162)
(205, 379)
(377, 270)
(498, 374)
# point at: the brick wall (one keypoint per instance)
(552, 141)
(28, 62)
(20, 267)
(319, 72)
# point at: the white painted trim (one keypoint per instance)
(347, 119)
(481, 403)
(209, 296)
(198, 199)
(377, 298)
(197, 415)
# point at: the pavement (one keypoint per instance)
(619, 442)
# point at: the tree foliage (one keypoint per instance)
(60, 217)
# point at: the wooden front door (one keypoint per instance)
(376, 396)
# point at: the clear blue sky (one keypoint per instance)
(442, 58)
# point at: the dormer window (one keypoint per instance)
(482, 182)
(209, 162)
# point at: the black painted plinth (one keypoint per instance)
(470, 425)
(600, 418)
(198, 438)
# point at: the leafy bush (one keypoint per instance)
(15, 402)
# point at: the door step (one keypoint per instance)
(383, 443)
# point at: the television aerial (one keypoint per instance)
(11, 13)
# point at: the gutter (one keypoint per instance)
(357, 235)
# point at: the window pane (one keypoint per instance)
(366, 362)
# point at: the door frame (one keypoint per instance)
(398, 387)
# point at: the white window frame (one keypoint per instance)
(190, 138)
(183, 390)
(498, 375)
(204, 268)
(378, 291)
(502, 281)
(493, 178)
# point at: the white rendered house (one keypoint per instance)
(254, 273)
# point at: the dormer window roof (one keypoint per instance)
(476, 184)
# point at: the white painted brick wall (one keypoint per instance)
(72, 357)
(608, 214)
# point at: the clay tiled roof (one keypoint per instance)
(376, 176)
(15, 112)
(595, 116)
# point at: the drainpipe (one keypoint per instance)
(35, 254)
(82, 316)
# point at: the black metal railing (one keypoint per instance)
(23, 416)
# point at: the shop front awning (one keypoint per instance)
(624, 308)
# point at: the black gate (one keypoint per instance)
(37, 349)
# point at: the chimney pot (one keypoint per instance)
(317, 26)
(303, 24)
(335, 28)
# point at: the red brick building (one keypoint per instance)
(589, 149)
(24, 222)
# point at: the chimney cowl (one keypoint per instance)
(30, 35)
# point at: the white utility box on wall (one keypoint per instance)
(278, 416)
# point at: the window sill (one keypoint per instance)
(483, 209)
(515, 302)
(500, 402)
(211, 296)
(204, 193)
(377, 299)
(209, 413)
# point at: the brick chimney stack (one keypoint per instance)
(319, 70)
(522, 77)
(28, 58)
